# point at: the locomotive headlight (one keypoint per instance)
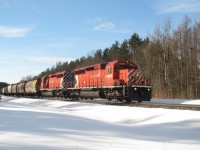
(135, 89)
(148, 89)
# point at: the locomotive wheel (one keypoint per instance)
(128, 100)
(109, 98)
(119, 99)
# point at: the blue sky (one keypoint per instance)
(35, 34)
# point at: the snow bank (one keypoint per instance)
(45, 124)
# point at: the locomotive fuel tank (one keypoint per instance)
(90, 94)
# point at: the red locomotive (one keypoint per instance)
(51, 85)
(113, 80)
(121, 80)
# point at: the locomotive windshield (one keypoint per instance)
(124, 65)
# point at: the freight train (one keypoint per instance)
(120, 80)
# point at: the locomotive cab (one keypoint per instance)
(51, 85)
(124, 72)
(127, 75)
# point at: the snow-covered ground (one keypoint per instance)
(30, 124)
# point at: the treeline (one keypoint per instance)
(173, 60)
(169, 58)
(126, 50)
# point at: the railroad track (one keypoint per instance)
(145, 104)
(142, 104)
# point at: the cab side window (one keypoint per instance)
(109, 70)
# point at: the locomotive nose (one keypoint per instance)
(134, 76)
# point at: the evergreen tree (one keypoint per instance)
(124, 51)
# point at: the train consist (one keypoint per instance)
(121, 80)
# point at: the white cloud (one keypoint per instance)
(103, 24)
(176, 6)
(106, 26)
(50, 59)
(13, 32)
(111, 27)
